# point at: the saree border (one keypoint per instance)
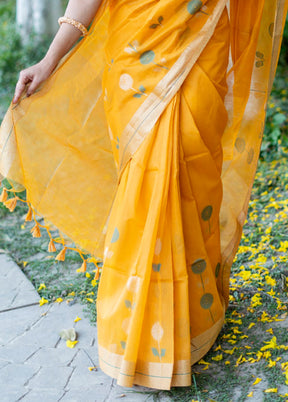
(158, 375)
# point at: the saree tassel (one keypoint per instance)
(97, 274)
(4, 195)
(83, 267)
(61, 256)
(36, 231)
(51, 246)
(29, 215)
(11, 203)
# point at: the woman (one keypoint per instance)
(141, 146)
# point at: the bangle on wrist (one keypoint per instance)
(75, 23)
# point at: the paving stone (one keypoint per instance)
(13, 394)
(16, 375)
(82, 359)
(17, 353)
(50, 395)
(51, 377)
(133, 394)
(18, 290)
(83, 378)
(97, 394)
(47, 357)
(16, 323)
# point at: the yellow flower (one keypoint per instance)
(270, 281)
(71, 344)
(202, 361)
(217, 358)
(71, 294)
(257, 381)
(251, 325)
(267, 354)
(92, 368)
(93, 283)
(77, 319)
(273, 390)
(270, 330)
(230, 351)
(87, 275)
(42, 286)
(271, 363)
(89, 299)
(59, 300)
(24, 263)
(227, 362)
(250, 394)
(256, 300)
(272, 344)
(42, 301)
(244, 275)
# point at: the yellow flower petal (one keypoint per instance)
(42, 286)
(89, 299)
(92, 368)
(42, 301)
(271, 390)
(250, 394)
(257, 381)
(93, 282)
(77, 319)
(217, 358)
(71, 344)
(59, 300)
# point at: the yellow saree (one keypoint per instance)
(141, 149)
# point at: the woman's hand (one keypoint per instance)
(33, 77)
(65, 38)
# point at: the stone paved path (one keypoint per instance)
(35, 363)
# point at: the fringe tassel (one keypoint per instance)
(36, 231)
(29, 215)
(51, 246)
(83, 267)
(11, 203)
(4, 195)
(97, 274)
(61, 256)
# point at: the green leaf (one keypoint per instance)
(155, 352)
(68, 334)
(128, 304)
(279, 119)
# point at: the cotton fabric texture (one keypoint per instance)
(141, 149)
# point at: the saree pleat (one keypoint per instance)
(141, 149)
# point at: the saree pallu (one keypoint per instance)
(141, 148)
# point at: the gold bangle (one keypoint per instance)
(75, 23)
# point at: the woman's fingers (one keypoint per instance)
(20, 86)
(33, 86)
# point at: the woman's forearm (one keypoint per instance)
(83, 11)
